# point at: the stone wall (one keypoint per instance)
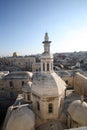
(8, 90)
(80, 84)
(69, 81)
(43, 114)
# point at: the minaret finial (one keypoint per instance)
(46, 38)
(46, 43)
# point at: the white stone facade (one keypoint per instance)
(80, 84)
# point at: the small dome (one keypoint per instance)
(78, 112)
(15, 54)
(21, 119)
(19, 75)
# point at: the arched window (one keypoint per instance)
(38, 106)
(50, 108)
(43, 66)
(47, 66)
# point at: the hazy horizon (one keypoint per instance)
(19, 55)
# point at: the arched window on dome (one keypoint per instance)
(50, 108)
(38, 106)
(47, 66)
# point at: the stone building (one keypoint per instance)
(26, 89)
(47, 88)
(24, 63)
(80, 84)
(36, 67)
(68, 77)
(12, 83)
(46, 93)
(77, 114)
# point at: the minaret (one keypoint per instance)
(46, 57)
(46, 43)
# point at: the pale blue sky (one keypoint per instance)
(24, 22)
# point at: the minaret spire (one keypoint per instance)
(46, 38)
(46, 57)
(46, 43)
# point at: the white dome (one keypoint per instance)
(15, 54)
(78, 112)
(48, 84)
(21, 119)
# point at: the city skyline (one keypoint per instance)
(24, 22)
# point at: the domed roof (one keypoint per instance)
(15, 54)
(48, 84)
(78, 112)
(21, 119)
(19, 75)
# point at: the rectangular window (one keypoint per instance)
(38, 106)
(22, 83)
(51, 66)
(43, 66)
(47, 67)
(28, 96)
(11, 84)
(50, 108)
